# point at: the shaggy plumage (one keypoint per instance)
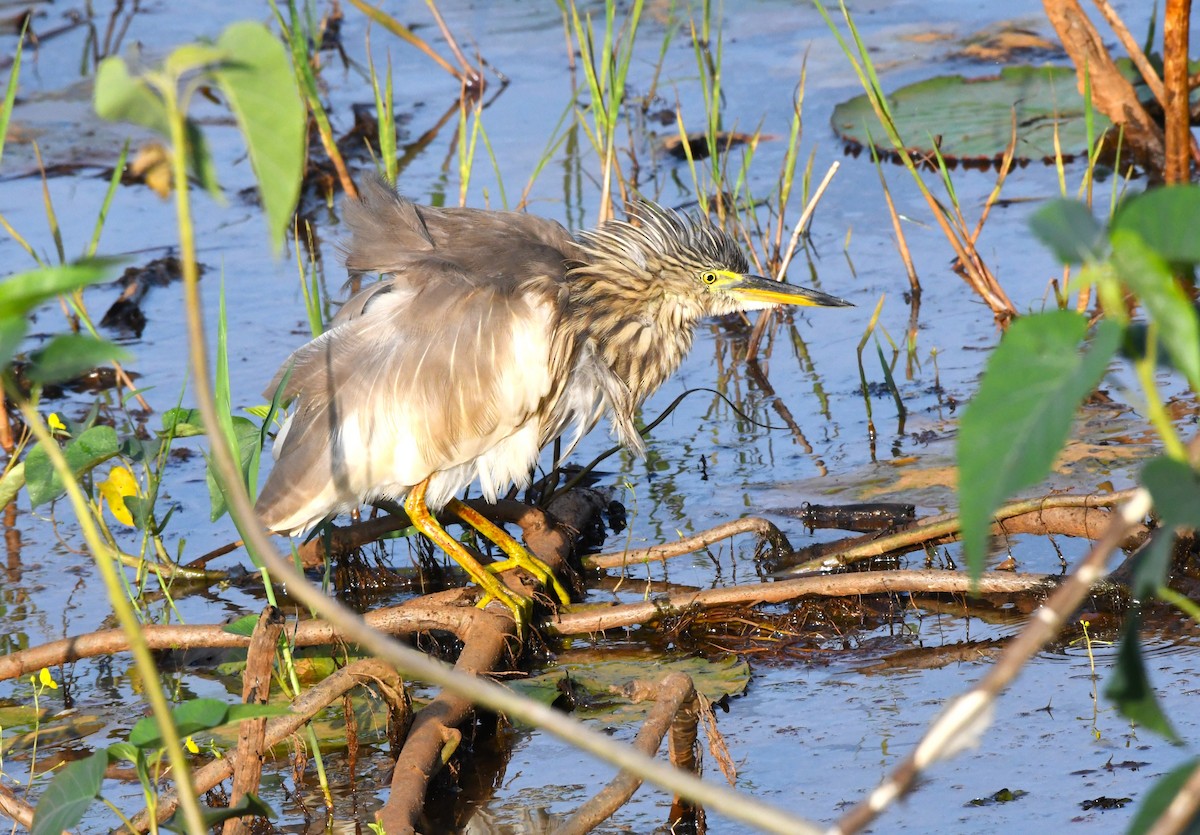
(490, 335)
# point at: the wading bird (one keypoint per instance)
(490, 335)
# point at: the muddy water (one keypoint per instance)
(813, 732)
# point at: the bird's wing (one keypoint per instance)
(431, 375)
(388, 233)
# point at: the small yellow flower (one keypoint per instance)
(119, 484)
(46, 679)
(191, 745)
(56, 425)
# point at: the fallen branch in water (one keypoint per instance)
(659, 553)
(676, 709)
(304, 707)
(1046, 515)
(587, 620)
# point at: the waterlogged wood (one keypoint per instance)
(304, 707)
(593, 619)
(486, 639)
(676, 708)
(658, 553)
(439, 611)
(1112, 94)
(1077, 516)
(256, 688)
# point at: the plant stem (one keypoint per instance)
(128, 621)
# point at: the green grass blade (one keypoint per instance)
(113, 182)
(10, 91)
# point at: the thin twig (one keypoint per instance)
(660, 553)
(805, 217)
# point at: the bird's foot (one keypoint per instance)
(518, 555)
(534, 566)
(520, 605)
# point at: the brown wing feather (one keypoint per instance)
(429, 369)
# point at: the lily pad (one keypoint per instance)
(600, 681)
(970, 119)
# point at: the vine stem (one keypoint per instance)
(128, 620)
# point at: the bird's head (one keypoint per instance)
(690, 261)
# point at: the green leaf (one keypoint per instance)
(599, 679)
(1018, 421)
(1175, 488)
(21, 293)
(193, 56)
(120, 97)
(249, 804)
(12, 331)
(243, 626)
(68, 355)
(64, 802)
(1165, 219)
(83, 453)
(1146, 273)
(119, 751)
(1160, 797)
(246, 435)
(261, 88)
(1068, 228)
(196, 715)
(191, 717)
(1129, 687)
(200, 161)
(182, 423)
(972, 119)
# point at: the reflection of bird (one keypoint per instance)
(494, 334)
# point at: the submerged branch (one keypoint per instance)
(1045, 515)
(675, 698)
(304, 708)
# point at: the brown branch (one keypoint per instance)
(435, 611)
(1180, 144)
(1134, 51)
(436, 726)
(965, 717)
(1112, 94)
(659, 553)
(304, 707)
(1040, 516)
(15, 809)
(597, 619)
(675, 696)
(256, 687)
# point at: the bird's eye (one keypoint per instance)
(708, 277)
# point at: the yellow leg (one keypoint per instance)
(424, 521)
(518, 554)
